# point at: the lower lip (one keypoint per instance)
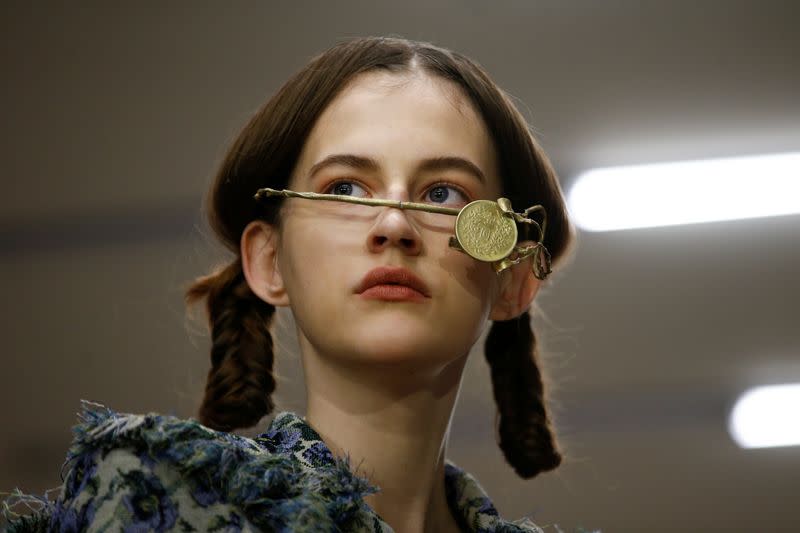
(393, 293)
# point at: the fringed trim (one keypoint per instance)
(271, 490)
(37, 521)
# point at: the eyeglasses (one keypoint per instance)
(484, 230)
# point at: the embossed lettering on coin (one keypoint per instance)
(484, 232)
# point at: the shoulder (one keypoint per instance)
(158, 472)
(474, 506)
(149, 472)
(154, 441)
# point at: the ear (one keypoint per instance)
(518, 287)
(259, 249)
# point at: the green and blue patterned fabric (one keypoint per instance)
(137, 473)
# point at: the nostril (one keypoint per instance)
(408, 243)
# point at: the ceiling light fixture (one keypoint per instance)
(765, 417)
(686, 192)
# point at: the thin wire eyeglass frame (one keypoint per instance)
(542, 266)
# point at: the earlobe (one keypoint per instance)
(259, 249)
(516, 292)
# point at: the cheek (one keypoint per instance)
(301, 250)
(307, 260)
(474, 288)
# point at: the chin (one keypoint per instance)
(403, 345)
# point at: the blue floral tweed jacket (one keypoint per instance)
(137, 473)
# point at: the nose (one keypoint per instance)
(392, 228)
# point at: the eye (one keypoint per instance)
(446, 194)
(346, 188)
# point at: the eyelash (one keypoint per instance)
(330, 185)
(459, 188)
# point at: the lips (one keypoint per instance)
(392, 283)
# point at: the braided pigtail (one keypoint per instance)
(525, 433)
(240, 382)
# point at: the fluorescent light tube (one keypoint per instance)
(768, 416)
(686, 192)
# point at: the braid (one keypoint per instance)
(240, 381)
(525, 433)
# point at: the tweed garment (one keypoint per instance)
(153, 472)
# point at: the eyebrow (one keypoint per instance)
(452, 162)
(432, 164)
(348, 160)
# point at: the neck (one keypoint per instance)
(393, 425)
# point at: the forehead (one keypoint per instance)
(395, 117)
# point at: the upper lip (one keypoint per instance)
(387, 275)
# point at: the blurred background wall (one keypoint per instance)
(116, 116)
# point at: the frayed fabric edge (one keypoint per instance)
(101, 429)
(38, 519)
(40, 508)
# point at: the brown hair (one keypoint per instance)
(265, 153)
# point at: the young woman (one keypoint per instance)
(389, 291)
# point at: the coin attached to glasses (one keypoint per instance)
(485, 232)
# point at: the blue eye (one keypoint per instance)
(445, 194)
(346, 188)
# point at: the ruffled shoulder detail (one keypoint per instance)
(270, 489)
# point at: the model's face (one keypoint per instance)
(402, 137)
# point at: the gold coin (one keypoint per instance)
(484, 232)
